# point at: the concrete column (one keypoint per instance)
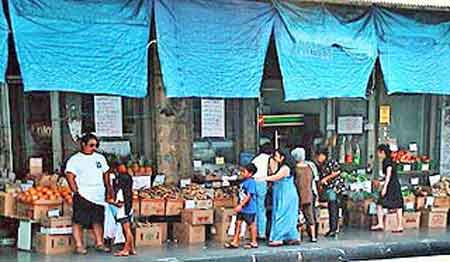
(432, 134)
(372, 141)
(5, 125)
(174, 134)
(248, 125)
(56, 130)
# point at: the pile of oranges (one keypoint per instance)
(45, 193)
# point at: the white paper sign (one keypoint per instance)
(434, 179)
(141, 182)
(406, 168)
(350, 125)
(108, 116)
(197, 164)
(122, 148)
(159, 180)
(213, 118)
(409, 206)
(429, 202)
(372, 209)
(413, 147)
(189, 204)
(367, 186)
(185, 182)
(415, 181)
(425, 167)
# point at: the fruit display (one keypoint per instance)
(132, 165)
(226, 192)
(442, 188)
(38, 193)
(159, 192)
(405, 157)
(195, 192)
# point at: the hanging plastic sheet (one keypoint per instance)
(3, 45)
(414, 56)
(90, 46)
(322, 55)
(212, 48)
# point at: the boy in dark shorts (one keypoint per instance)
(246, 209)
(121, 208)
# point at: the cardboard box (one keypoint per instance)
(152, 207)
(57, 231)
(174, 207)
(411, 220)
(323, 226)
(204, 204)
(56, 222)
(226, 202)
(434, 218)
(154, 234)
(7, 204)
(360, 219)
(221, 232)
(442, 202)
(38, 210)
(189, 234)
(136, 208)
(197, 216)
(53, 244)
(223, 215)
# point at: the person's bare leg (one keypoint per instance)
(128, 247)
(237, 234)
(78, 236)
(98, 234)
(400, 219)
(253, 234)
(380, 218)
(312, 229)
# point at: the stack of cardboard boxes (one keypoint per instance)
(55, 236)
(192, 229)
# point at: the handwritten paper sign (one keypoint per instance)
(159, 180)
(108, 116)
(350, 125)
(385, 114)
(213, 118)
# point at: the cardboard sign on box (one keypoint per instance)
(434, 218)
(7, 204)
(154, 234)
(53, 244)
(197, 216)
(442, 202)
(56, 222)
(174, 207)
(204, 204)
(153, 207)
(411, 220)
(189, 234)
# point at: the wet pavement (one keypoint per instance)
(350, 245)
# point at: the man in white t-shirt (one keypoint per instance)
(88, 175)
(261, 162)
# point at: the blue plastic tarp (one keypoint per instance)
(90, 46)
(213, 48)
(414, 56)
(322, 55)
(3, 45)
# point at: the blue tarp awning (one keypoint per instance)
(213, 48)
(90, 46)
(4, 31)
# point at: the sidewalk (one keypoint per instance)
(352, 244)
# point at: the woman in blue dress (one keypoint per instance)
(285, 200)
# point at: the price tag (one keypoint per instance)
(220, 160)
(409, 206)
(197, 164)
(185, 182)
(367, 186)
(53, 213)
(429, 202)
(217, 184)
(353, 187)
(189, 204)
(372, 209)
(425, 167)
(434, 179)
(415, 181)
(226, 183)
(413, 147)
(406, 168)
(159, 180)
(393, 147)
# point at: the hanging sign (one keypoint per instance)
(385, 114)
(108, 116)
(213, 118)
(350, 125)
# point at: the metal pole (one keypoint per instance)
(56, 130)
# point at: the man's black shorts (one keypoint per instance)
(86, 213)
(247, 218)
